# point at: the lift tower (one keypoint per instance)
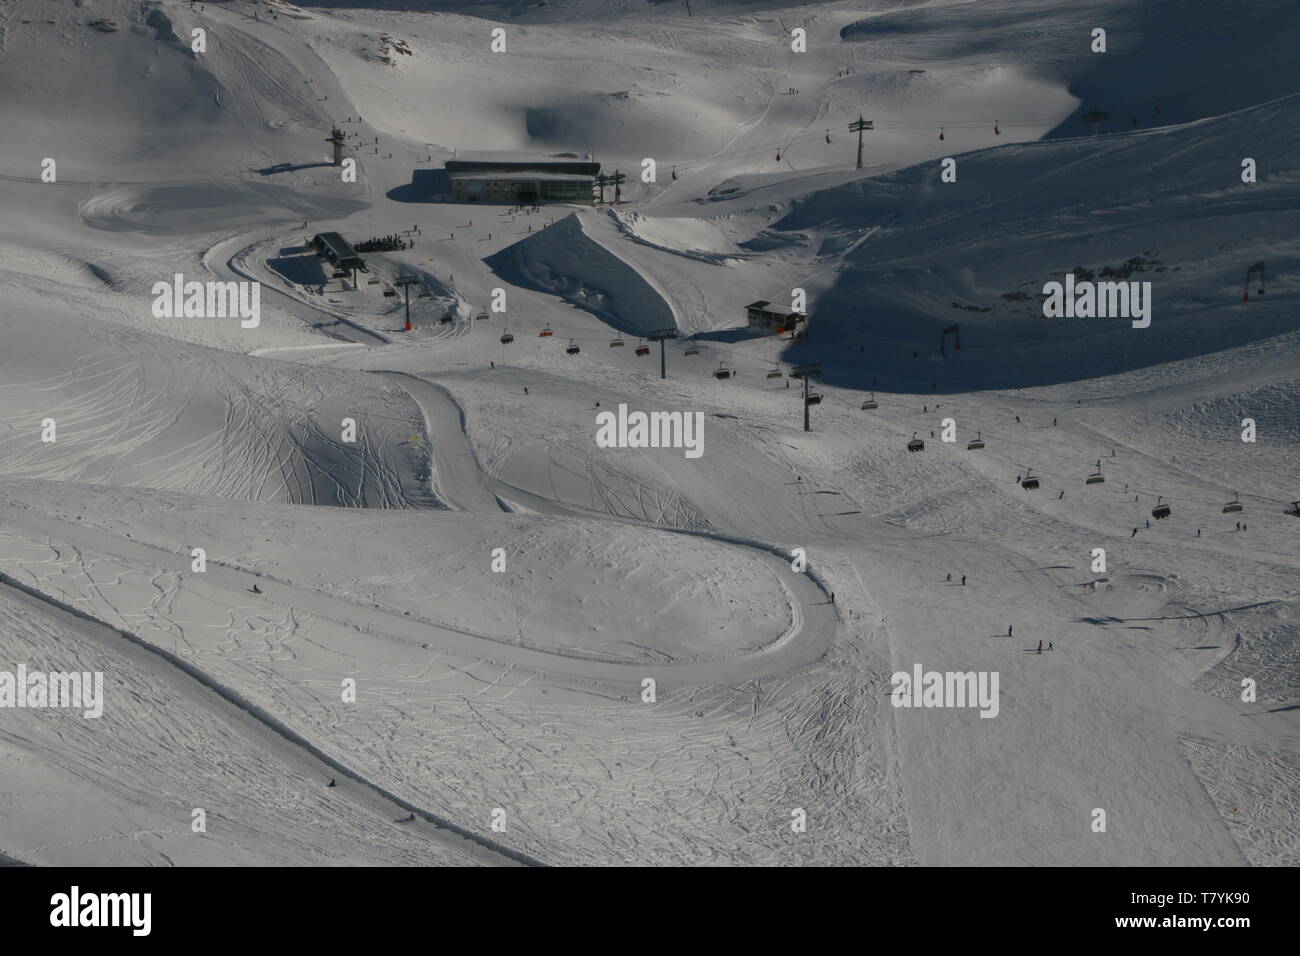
(805, 372)
(660, 336)
(336, 138)
(406, 282)
(858, 127)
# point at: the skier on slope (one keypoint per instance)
(1040, 647)
(255, 589)
(1008, 630)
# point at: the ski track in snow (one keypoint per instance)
(171, 433)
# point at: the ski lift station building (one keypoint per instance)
(523, 177)
(774, 318)
(337, 251)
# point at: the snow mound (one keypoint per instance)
(562, 260)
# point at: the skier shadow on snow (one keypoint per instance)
(1104, 621)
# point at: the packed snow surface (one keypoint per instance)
(321, 547)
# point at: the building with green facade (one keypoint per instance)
(523, 178)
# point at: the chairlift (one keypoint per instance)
(545, 332)
(693, 350)
(1029, 482)
(1294, 510)
(1160, 510)
(915, 444)
(1234, 505)
(424, 294)
(617, 342)
(572, 348)
(996, 131)
(815, 398)
(373, 280)
(775, 373)
(940, 132)
(481, 315)
(721, 371)
(643, 349)
(390, 293)
(870, 403)
(506, 338)
(1096, 478)
(976, 443)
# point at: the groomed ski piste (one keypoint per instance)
(502, 642)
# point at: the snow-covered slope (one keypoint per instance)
(637, 655)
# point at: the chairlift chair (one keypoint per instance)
(506, 338)
(424, 294)
(1234, 505)
(721, 371)
(976, 443)
(775, 373)
(545, 332)
(573, 348)
(693, 350)
(390, 293)
(617, 343)
(1029, 482)
(481, 315)
(1160, 510)
(915, 444)
(1096, 478)
(815, 398)
(870, 403)
(643, 349)
(372, 281)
